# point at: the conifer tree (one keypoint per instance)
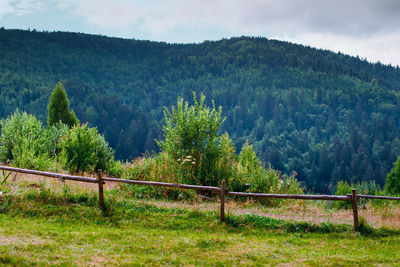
(58, 108)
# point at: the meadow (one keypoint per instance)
(46, 222)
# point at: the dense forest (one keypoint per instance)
(321, 115)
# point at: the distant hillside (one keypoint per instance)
(324, 115)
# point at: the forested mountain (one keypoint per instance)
(324, 115)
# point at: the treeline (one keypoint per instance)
(320, 115)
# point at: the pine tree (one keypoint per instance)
(58, 108)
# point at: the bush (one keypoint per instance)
(272, 181)
(243, 173)
(26, 156)
(17, 128)
(23, 142)
(363, 188)
(159, 168)
(192, 140)
(53, 136)
(262, 180)
(392, 183)
(84, 149)
(193, 152)
(249, 169)
(226, 166)
(116, 169)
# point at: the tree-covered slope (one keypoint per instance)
(324, 115)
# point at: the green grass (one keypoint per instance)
(40, 227)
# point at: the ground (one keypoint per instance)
(44, 222)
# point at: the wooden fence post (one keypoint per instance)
(222, 209)
(101, 194)
(355, 211)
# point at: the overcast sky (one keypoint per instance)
(368, 28)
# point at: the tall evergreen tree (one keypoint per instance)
(58, 108)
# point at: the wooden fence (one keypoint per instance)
(221, 191)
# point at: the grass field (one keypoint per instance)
(47, 224)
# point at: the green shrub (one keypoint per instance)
(272, 181)
(192, 140)
(23, 142)
(53, 136)
(392, 183)
(84, 149)
(248, 160)
(193, 152)
(248, 170)
(25, 156)
(363, 188)
(159, 168)
(259, 179)
(226, 167)
(342, 189)
(17, 128)
(116, 169)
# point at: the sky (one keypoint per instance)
(367, 28)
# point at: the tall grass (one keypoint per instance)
(363, 188)
(163, 168)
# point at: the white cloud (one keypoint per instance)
(356, 17)
(103, 13)
(381, 47)
(66, 4)
(347, 17)
(19, 7)
(5, 7)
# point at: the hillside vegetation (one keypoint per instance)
(315, 114)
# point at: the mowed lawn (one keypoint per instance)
(36, 229)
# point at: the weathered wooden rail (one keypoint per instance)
(222, 191)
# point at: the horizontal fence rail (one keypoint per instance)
(378, 197)
(222, 191)
(150, 183)
(50, 174)
(309, 197)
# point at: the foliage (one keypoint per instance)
(23, 142)
(226, 166)
(160, 168)
(392, 185)
(192, 139)
(84, 149)
(364, 188)
(249, 161)
(58, 108)
(197, 154)
(26, 156)
(115, 169)
(250, 171)
(15, 129)
(192, 136)
(53, 136)
(259, 179)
